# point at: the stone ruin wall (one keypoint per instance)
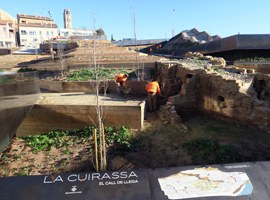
(204, 91)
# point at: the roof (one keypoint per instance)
(235, 42)
(5, 16)
(4, 22)
(34, 17)
(133, 42)
(39, 25)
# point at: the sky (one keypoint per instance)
(152, 19)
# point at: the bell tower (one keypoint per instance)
(67, 19)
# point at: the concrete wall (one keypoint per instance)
(262, 67)
(83, 64)
(18, 93)
(136, 88)
(44, 118)
(5, 51)
(62, 45)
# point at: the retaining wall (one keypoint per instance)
(137, 88)
(67, 111)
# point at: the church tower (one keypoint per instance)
(67, 19)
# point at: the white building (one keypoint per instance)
(7, 30)
(76, 33)
(34, 30)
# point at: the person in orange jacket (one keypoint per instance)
(121, 80)
(152, 89)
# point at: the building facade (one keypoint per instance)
(33, 30)
(7, 30)
(67, 19)
(76, 33)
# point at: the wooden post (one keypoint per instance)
(96, 149)
(104, 148)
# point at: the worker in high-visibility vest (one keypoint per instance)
(121, 80)
(152, 89)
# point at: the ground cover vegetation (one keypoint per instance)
(207, 141)
(254, 59)
(89, 74)
(58, 151)
(83, 74)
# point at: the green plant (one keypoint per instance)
(24, 171)
(216, 68)
(100, 31)
(255, 59)
(56, 139)
(198, 61)
(209, 151)
(89, 74)
(121, 137)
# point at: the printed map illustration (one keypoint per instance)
(205, 182)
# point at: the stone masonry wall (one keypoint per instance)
(236, 98)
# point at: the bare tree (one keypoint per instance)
(51, 50)
(138, 69)
(94, 64)
(60, 57)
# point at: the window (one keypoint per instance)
(35, 39)
(5, 32)
(23, 32)
(40, 32)
(32, 32)
(51, 33)
(8, 44)
(47, 33)
(1, 44)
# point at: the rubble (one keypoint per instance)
(169, 115)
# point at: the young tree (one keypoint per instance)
(100, 32)
(138, 69)
(60, 57)
(93, 64)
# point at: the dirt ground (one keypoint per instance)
(11, 61)
(207, 141)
